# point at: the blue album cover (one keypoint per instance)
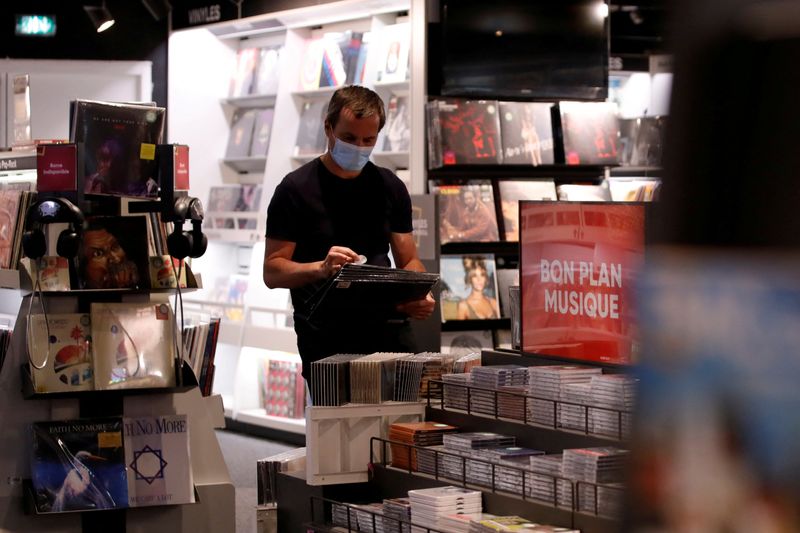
(79, 465)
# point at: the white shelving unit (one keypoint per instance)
(201, 61)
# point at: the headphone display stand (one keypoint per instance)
(214, 508)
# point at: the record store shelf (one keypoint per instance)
(320, 506)
(549, 438)
(472, 325)
(395, 483)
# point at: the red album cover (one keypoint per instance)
(591, 133)
(120, 144)
(470, 131)
(579, 266)
(56, 167)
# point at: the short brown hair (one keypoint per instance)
(361, 101)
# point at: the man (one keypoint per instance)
(468, 221)
(331, 211)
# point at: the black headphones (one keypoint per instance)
(50, 211)
(182, 244)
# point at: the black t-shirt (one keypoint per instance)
(316, 209)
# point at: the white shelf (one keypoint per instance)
(258, 417)
(227, 405)
(251, 100)
(399, 88)
(322, 92)
(246, 164)
(232, 235)
(358, 410)
(270, 338)
(391, 159)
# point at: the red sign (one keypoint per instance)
(56, 167)
(579, 264)
(181, 167)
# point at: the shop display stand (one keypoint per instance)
(20, 406)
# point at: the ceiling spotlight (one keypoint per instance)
(100, 16)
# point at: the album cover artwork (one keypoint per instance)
(506, 278)
(262, 130)
(591, 133)
(312, 64)
(570, 192)
(61, 344)
(240, 137)
(268, 72)
(469, 131)
(133, 345)
(464, 342)
(469, 287)
(634, 189)
(51, 273)
(466, 211)
(392, 53)
(10, 194)
(157, 460)
(526, 132)
(311, 134)
(119, 146)
(113, 254)
(244, 72)
(340, 57)
(78, 465)
(511, 192)
(397, 132)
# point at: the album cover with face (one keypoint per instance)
(466, 211)
(135, 345)
(526, 130)
(469, 287)
(113, 254)
(60, 348)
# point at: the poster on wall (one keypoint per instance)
(579, 265)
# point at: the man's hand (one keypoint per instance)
(419, 309)
(337, 256)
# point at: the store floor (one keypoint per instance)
(241, 452)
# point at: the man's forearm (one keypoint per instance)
(286, 274)
(414, 265)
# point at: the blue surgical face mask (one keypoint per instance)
(349, 156)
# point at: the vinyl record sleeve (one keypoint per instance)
(78, 465)
(135, 345)
(120, 142)
(62, 342)
(157, 460)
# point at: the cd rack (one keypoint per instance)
(557, 491)
(352, 516)
(517, 407)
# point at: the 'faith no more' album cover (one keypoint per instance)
(78, 465)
